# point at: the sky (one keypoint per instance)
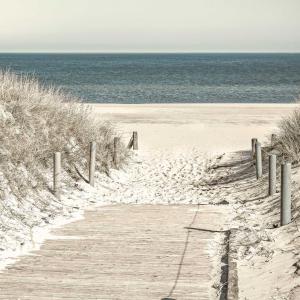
(149, 25)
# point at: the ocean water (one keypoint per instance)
(166, 78)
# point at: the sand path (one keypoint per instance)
(162, 178)
(125, 252)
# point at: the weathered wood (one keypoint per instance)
(258, 160)
(273, 139)
(130, 144)
(253, 142)
(92, 163)
(125, 252)
(233, 284)
(116, 157)
(57, 174)
(135, 140)
(286, 204)
(272, 174)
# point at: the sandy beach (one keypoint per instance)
(178, 146)
(212, 128)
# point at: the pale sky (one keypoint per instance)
(150, 25)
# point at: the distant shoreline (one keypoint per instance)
(149, 52)
(216, 104)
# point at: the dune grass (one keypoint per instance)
(35, 122)
(288, 137)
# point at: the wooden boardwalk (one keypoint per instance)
(123, 252)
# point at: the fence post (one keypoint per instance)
(92, 163)
(130, 144)
(273, 139)
(285, 210)
(56, 174)
(272, 174)
(258, 158)
(253, 142)
(135, 140)
(116, 159)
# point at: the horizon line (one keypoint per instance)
(148, 52)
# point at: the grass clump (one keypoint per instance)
(288, 137)
(35, 122)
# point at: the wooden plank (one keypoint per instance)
(122, 252)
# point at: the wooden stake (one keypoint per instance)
(116, 158)
(92, 163)
(286, 205)
(273, 139)
(57, 174)
(258, 158)
(130, 144)
(272, 174)
(253, 142)
(135, 140)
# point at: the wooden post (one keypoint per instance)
(273, 139)
(286, 205)
(253, 142)
(92, 163)
(258, 158)
(116, 158)
(272, 174)
(135, 140)
(57, 174)
(130, 144)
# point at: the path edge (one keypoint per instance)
(232, 285)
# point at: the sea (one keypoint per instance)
(166, 77)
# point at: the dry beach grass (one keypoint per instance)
(36, 121)
(288, 141)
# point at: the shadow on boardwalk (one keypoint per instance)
(122, 252)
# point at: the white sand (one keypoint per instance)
(174, 169)
(212, 128)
